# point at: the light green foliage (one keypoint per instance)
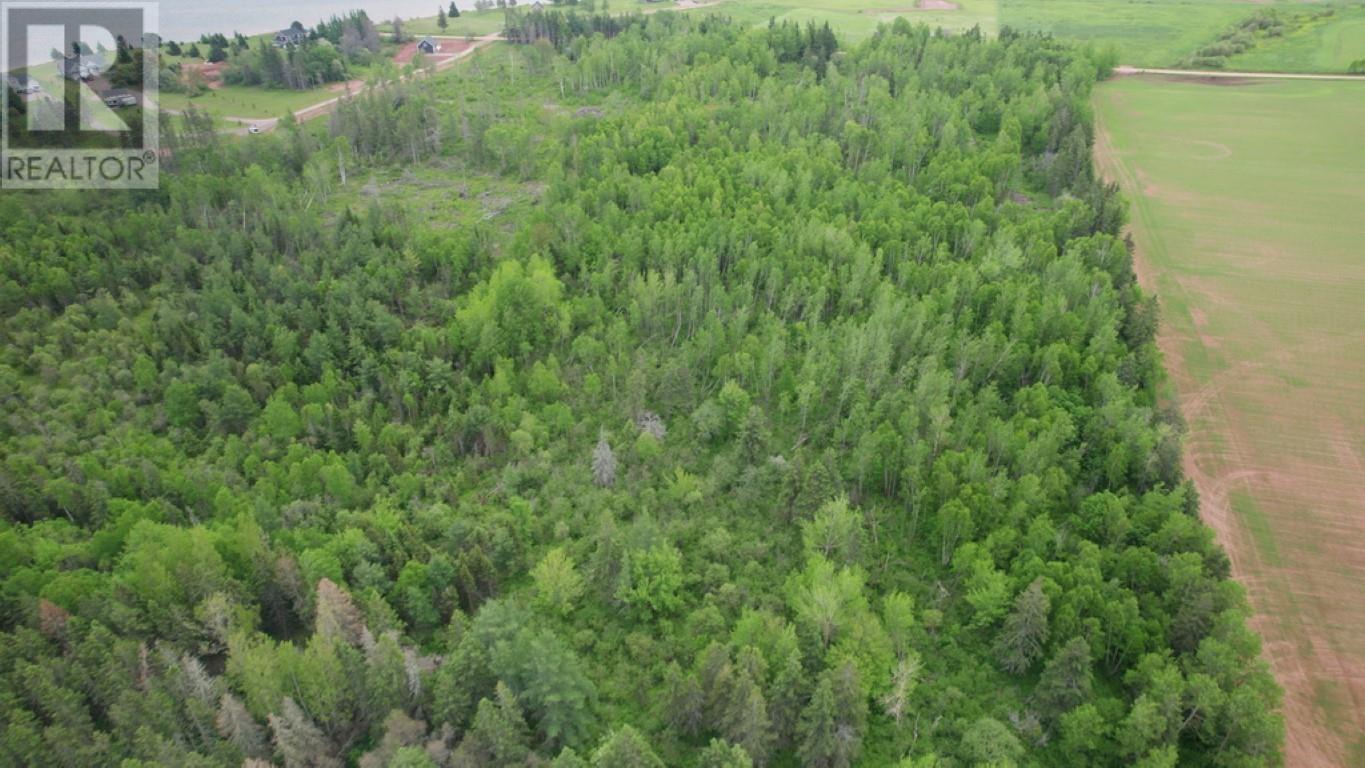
(170, 570)
(647, 448)
(411, 757)
(987, 587)
(720, 754)
(625, 748)
(386, 679)
(517, 310)
(654, 580)
(279, 419)
(898, 616)
(827, 599)
(990, 742)
(557, 582)
(835, 533)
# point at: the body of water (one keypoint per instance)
(186, 20)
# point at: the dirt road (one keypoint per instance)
(1124, 69)
(326, 107)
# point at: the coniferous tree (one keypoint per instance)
(833, 723)
(685, 705)
(499, 735)
(745, 720)
(603, 463)
(1066, 680)
(1020, 642)
(237, 725)
(299, 740)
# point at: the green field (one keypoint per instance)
(1327, 44)
(1246, 208)
(857, 19)
(1144, 32)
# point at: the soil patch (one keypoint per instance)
(450, 48)
(212, 73)
(922, 5)
(1218, 80)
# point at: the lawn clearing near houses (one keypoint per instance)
(1246, 210)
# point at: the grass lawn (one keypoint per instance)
(243, 101)
(1246, 208)
(470, 22)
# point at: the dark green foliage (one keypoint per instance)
(1066, 680)
(832, 727)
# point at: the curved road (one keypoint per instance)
(267, 124)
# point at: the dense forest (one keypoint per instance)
(800, 409)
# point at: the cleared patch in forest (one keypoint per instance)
(1254, 252)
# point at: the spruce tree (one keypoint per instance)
(1065, 682)
(1021, 640)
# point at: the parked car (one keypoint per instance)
(120, 98)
